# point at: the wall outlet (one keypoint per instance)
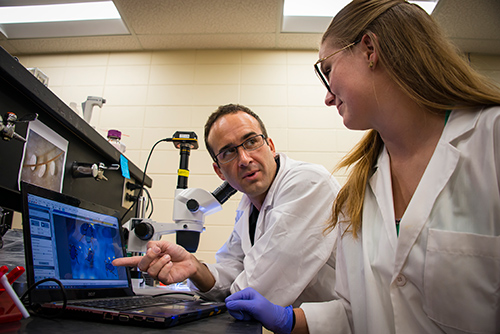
(126, 203)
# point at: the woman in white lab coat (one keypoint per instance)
(418, 220)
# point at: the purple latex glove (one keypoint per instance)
(248, 304)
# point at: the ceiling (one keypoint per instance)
(474, 25)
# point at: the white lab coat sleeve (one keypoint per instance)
(290, 246)
(334, 316)
(327, 317)
(496, 143)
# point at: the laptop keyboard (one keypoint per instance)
(127, 303)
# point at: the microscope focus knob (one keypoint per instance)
(192, 205)
(144, 231)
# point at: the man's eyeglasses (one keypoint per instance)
(231, 153)
(317, 67)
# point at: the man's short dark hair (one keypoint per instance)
(225, 110)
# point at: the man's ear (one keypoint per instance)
(369, 50)
(218, 171)
(271, 145)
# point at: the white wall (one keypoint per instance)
(150, 95)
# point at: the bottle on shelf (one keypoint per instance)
(114, 137)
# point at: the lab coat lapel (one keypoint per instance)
(380, 184)
(241, 224)
(437, 174)
(245, 207)
(260, 229)
(378, 231)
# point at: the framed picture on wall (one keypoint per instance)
(44, 157)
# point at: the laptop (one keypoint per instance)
(75, 241)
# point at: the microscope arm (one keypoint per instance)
(190, 208)
(143, 230)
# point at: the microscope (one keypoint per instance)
(191, 205)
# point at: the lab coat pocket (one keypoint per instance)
(462, 281)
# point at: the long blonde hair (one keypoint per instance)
(425, 65)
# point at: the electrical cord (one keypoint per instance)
(128, 210)
(150, 202)
(141, 188)
(133, 199)
(193, 296)
(37, 310)
(146, 166)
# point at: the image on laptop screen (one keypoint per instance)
(74, 245)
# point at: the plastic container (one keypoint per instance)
(11, 308)
(8, 309)
(114, 137)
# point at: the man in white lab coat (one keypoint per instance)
(278, 245)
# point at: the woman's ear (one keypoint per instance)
(369, 50)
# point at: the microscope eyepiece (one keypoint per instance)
(192, 205)
(144, 231)
(223, 192)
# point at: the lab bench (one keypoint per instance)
(218, 324)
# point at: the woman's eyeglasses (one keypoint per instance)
(317, 67)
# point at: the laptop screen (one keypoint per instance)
(71, 243)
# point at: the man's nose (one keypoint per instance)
(243, 156)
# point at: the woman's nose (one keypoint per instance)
(329, 99)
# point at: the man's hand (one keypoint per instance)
(165, 261)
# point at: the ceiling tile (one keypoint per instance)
(241, 24)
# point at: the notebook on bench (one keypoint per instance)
(75, 242)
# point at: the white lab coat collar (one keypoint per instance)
(246, 204)
(269, 200)
(437, 174)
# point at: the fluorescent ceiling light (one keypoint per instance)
(313, 7)
(103, 10)
(93, 18)
(330, 8)
(427, 5)
(314, 16)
